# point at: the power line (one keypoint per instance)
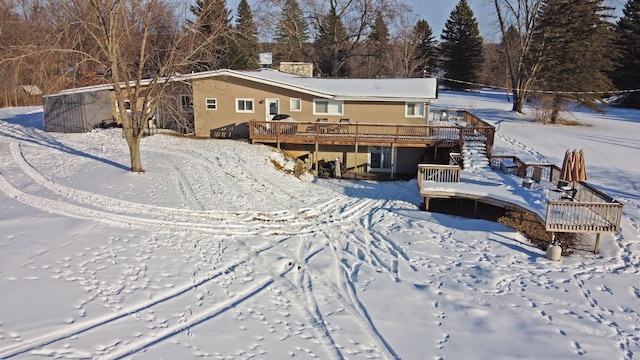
(542, 91)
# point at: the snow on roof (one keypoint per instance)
(31, 89)
(392, 89)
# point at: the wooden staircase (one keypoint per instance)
(474, 154)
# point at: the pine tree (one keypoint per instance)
(332, 45)
(379, 48)
(425, 56)
(212, 20)
(510, 54)
(627, 72)
(575, 40)
(292, 34)
(462, 48)
(244, 52)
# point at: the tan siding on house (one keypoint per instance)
(227, 89)
(378, 113)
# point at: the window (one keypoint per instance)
(295, 104)
(244, 105)
(211, 104)
(186, 103)
(127, 105)
(415, 110)
(327, 107)
(380, 158)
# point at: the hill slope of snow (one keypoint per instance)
(216, 253)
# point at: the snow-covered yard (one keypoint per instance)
(215, 253)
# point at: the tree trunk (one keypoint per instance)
(136, 163)
(556, 106)
(518, 100)
(133, 141)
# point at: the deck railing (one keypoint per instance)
(536, 171)
(356, 132)
(570, 216)
(455, 158)
(482, 127)
(333, 132)
(590, 210)
(437, 173)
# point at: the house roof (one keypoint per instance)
(392, 89)
(31, 89)
(395, 89)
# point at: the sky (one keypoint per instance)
(216, 252)
(436, 12)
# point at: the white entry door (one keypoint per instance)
(272, 108)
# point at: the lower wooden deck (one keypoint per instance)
(588, 211)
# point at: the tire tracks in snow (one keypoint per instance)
(122, 213)
(198, 317)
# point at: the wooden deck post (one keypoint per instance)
(355, 173)
(393, 160)
(315, 158)
(596, 250)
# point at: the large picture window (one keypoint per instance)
(328, 107)
(414, 110)
(244, 105)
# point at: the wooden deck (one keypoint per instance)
(361, 133)
(588, 211)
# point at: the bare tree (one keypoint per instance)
(138, 45)
(356, 18)
(517, 19)
(23, 23)
(405, 46)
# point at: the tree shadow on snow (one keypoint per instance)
(30, 135)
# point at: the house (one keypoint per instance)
(231, 104)
(352, 119)
(226, 98)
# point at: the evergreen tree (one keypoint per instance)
(212, 20)
(510, 53)
(380, 48)
(245, 50)
(425, 56)
(462, 48)
(292, 34)
(627, 73)
(575, 40)
(332, 45)
(379, 62)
